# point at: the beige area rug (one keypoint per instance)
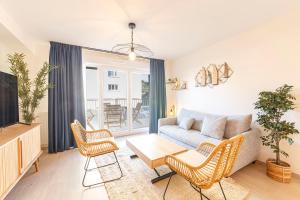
(136, 183)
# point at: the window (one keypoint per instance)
(113, 87)
(112, 74)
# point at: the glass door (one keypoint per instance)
(115, 100)
(140, 93)
(92, 98)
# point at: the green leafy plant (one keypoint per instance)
(29, 100)
(272, 106)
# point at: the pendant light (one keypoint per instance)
(132, 49)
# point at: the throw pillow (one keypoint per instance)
(214, 127)
(186, 123)
(197, 125)
(237, 125)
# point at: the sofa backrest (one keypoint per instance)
(197, 116)
(193, 114)
(236, 124)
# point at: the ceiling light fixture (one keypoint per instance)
(132, 49)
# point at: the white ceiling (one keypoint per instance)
(171, 28)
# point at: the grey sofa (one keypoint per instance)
(169, 129)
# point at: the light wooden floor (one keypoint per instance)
(60, 179)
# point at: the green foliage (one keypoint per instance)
(272, 106)
(146, 91)
(29, 100)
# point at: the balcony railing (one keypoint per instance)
(140, 113)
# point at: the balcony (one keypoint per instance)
(114, 115)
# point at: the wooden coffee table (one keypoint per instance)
(153, 149)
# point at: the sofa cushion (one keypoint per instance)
(186, 123)
(198, 117)
(214, 127)
(237, 125)
(190, 137)
(197, 125)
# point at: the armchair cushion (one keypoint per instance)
(186, 123)
(214, 127)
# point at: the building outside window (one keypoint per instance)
(113, 87)
(112, 74)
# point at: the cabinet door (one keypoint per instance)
(8, 165)
(31, 146)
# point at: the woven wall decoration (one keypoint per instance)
(213, 75)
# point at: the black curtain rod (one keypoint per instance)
(113, 52)
(105, 51)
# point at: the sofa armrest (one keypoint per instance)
(167, 121)
(252, 140)
(249, 150)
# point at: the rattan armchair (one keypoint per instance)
(206, 165)
(92, 144)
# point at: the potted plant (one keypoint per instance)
(272, 106)
(29, 99)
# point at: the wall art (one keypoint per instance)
(213, 75)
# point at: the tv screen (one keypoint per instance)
(9, 108)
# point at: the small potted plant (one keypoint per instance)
(271, 108)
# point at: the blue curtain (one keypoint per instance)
(157, 93)
(66, 99)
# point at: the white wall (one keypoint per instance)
(262, 59)
(170, 94)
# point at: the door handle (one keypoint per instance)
(20, 156)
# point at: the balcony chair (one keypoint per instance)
(206, 165)
(135, 112)
(91, 113)
(113, 115)
(92, 144)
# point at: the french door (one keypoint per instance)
(117, 99)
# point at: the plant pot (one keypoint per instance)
(281, 173)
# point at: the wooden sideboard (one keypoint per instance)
(20, 148)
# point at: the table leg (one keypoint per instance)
(133, 156)
(36, 164)
(161, 177)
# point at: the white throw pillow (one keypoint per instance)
(214, 127)
(186, 123)
(197, 125)
(237, 124)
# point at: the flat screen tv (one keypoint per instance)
(9, 108)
